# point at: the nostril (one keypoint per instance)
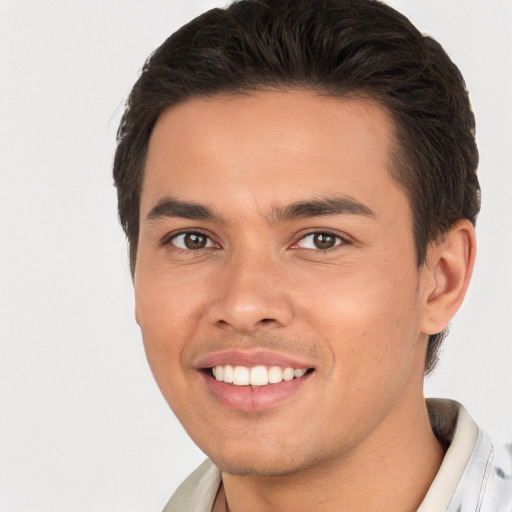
(265, 320)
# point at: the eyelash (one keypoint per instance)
(170, 238)
(342, 240)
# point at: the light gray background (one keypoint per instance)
(82, 425)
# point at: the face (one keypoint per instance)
(276, 252)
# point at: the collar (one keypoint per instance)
(476, 474)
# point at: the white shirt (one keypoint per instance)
(475, 475)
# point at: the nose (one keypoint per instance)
(251, 295)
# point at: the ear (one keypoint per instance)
(446, 276)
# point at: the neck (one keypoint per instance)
(391, 470)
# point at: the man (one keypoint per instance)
(297, 180)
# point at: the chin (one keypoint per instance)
(260, 463)
(258, 468)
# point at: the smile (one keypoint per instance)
(253, 380)
(255, 376)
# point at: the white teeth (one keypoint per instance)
(255, 376)
(275, 375)
(240, 376)
(228, 374)
(219, 373)
(288, 374)
(259, 376)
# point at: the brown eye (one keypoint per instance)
(320, 241)
(324, 241)
(191, 241)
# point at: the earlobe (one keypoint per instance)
(447, 275)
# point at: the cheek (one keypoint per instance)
(166, 305)
(370, 317)
(366, 299)
(372, 332)
(165, 320)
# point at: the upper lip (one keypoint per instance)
(250, 358)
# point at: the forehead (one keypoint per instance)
(269, 148)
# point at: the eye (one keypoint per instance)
(320, 241)
(192, 241)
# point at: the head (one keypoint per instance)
(297, 183)
(345, 49)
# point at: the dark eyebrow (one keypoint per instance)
(321, 208)
(171, 207)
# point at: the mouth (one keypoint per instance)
(256, 376)
(254, 380)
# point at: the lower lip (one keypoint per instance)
(253, 398)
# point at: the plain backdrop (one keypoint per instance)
(83, 428)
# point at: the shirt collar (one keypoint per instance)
(476, 474)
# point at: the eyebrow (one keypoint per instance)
(171, 207)
(322, 207)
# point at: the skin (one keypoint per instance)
(359, 312)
